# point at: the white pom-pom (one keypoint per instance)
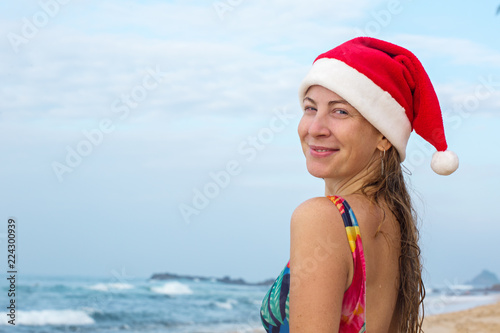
(444, 162)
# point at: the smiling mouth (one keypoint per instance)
(317, 151)
(322, 149)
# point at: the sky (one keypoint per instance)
(140, 137)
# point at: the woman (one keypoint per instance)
(354, 255)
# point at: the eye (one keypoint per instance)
(341, 112)
(310, 109)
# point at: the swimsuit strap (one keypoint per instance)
(354, 302)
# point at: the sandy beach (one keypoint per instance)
(477, 320)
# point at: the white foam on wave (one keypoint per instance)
(443, 303)
(460, 287)
(51, 317)
(111, 286)
(228, 305)
(172, 288)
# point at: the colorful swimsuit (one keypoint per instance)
(274, 310)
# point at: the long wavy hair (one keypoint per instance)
(390, 189)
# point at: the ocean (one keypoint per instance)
(78, 304)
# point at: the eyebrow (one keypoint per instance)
(339, 101)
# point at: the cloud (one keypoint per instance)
(91, 55)
(462, 98)
(80, 76)
(457, 51)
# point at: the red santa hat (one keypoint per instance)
(388, 85)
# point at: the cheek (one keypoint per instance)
(367, 142)
(302, 128)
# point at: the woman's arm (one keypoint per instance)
(320, 267)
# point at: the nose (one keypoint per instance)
(318, 127)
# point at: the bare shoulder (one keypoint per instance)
(314, 213)
(317, 226)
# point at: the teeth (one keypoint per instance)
(321, 150)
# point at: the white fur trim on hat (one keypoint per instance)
(444, 162)
(375, 104)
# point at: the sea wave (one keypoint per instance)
(172, 288)
(111, 286)
(51, 317)
(228, 305)
(442, 303)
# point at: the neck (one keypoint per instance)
(347, 186)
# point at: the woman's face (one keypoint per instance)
(337, 141)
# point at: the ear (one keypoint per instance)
(384, 144)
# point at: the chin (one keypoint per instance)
(315, 172)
